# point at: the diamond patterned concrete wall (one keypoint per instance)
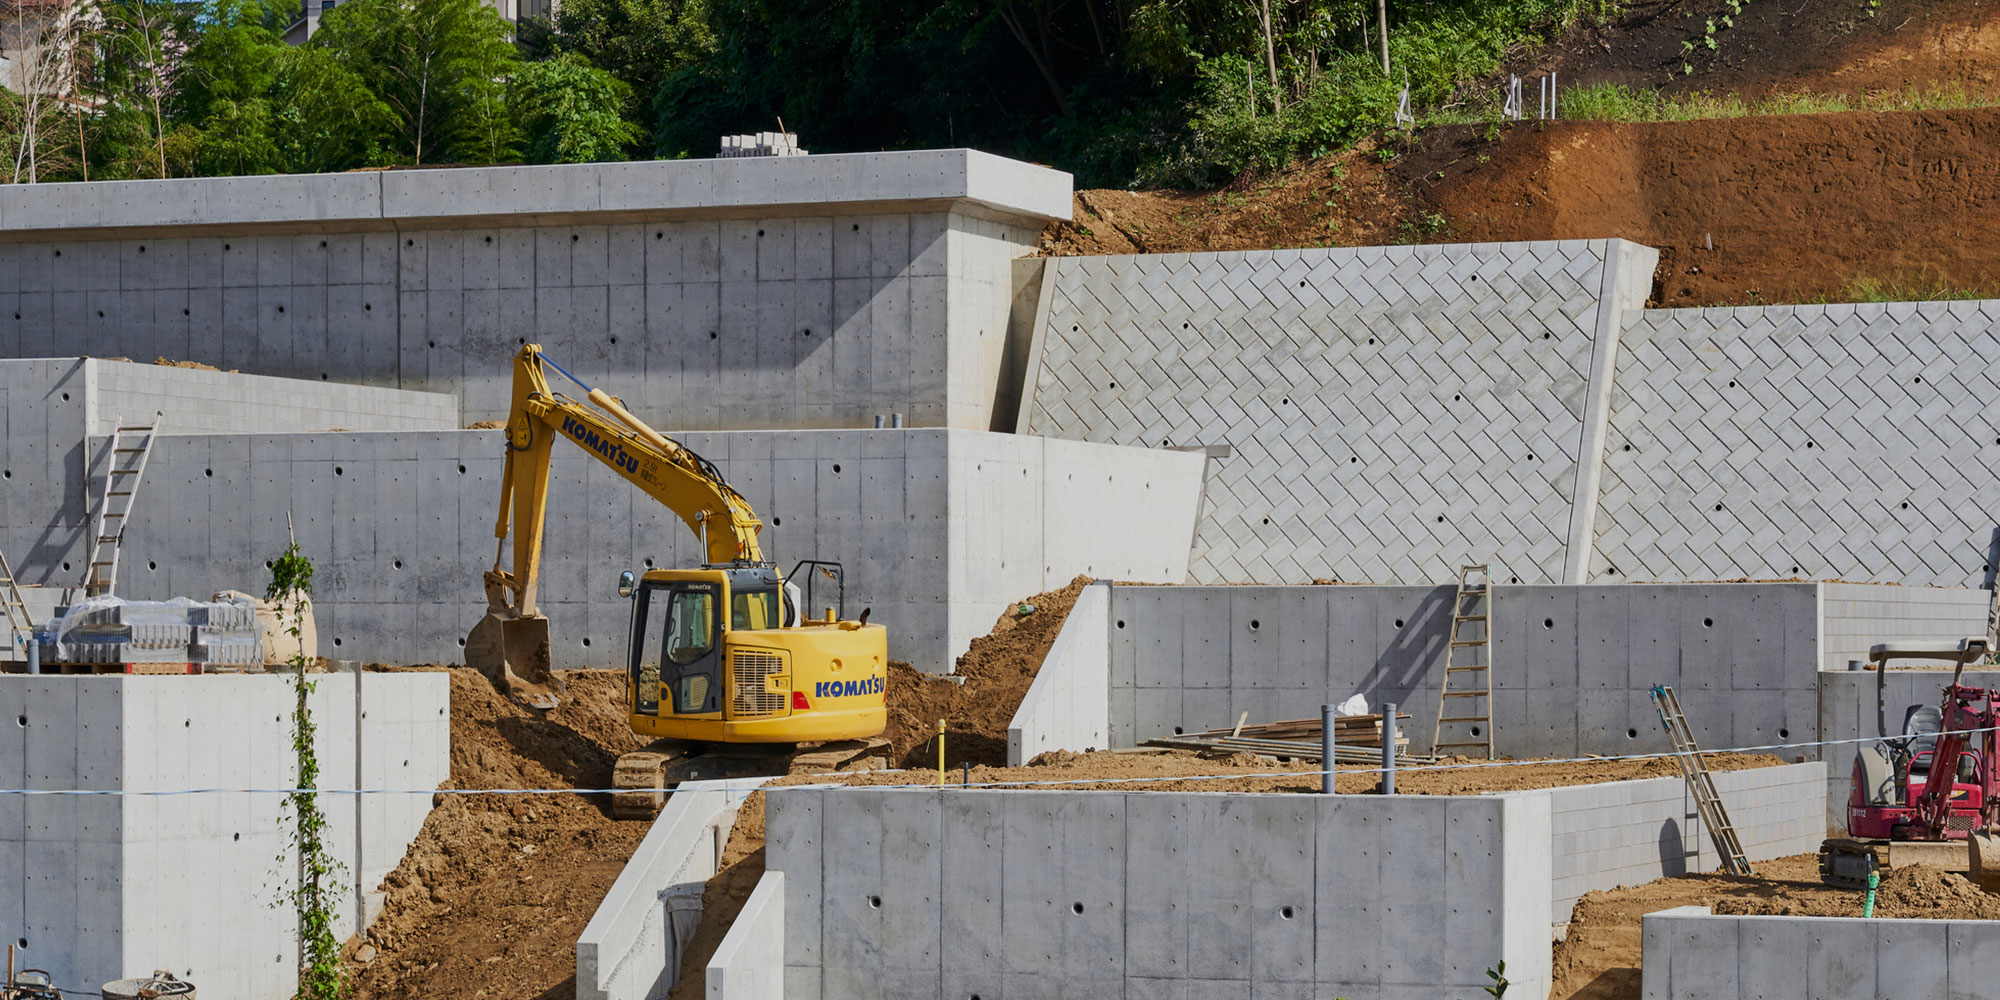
(1390, 412)
(1831, 441)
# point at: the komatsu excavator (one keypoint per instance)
(722, 665)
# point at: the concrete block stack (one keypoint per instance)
(761, 144)
(173, 636)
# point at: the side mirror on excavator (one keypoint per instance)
(626, 584)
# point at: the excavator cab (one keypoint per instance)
(712, 658)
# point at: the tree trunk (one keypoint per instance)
(1382, 31)
(1270, 55)
(1035, 56)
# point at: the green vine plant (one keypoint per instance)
(321, 976)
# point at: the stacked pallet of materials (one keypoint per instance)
(1357, 739)
(180, 636)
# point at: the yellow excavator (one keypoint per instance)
(722, 663)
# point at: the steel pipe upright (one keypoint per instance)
(1326, 749)
(1389, 748)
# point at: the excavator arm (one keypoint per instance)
(510, 644)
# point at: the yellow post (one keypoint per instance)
(940, 753)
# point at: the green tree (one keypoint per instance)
(439, 66)
(571, 112)
(642, 42)
(136, 79)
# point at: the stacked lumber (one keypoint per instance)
(1348, 730)
(1357, 740)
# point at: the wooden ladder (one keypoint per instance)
(1707, 803)
(124, 467)
(1465, 701)
(19, 626)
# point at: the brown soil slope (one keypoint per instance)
(490, 898)
(1743, 210)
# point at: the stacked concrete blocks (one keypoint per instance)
(1632, 832)
(1692, 954)
(1857, 616)
(897, 893)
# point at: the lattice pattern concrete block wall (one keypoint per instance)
(1391, 412)
(1824, 441)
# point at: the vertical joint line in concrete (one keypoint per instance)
(1596, 418)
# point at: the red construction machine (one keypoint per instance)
(1932, 794)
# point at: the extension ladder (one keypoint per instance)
(1707, 803)
(1465, 701)
(124, 467)
(19, 626)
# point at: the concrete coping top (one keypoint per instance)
(650, 190)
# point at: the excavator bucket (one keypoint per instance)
(1983, 860)
(512, 650)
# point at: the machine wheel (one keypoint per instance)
(645, 774)
(1846, 864)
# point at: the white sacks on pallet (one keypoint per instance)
(112, 630)
(280, 646)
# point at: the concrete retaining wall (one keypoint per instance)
(1068, 707)
(1693, 954)
(749, 964)
(1632, 832)
(1572, 665)
(632, 947)
(116, 886)
(1857, 616)
(918, 893)
(938, 529)
(799, 292)
(206, 402)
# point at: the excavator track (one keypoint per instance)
(644, 778)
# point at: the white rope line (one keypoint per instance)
(932, 783)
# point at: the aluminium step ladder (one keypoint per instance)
(20, 628)
(1465, 700)
(125, 454)
(1707, 803)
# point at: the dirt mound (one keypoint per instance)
(998, 667)
(1599, 958)
(493, 893)
(1818, 46)
(1340, 200)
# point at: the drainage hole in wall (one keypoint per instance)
(777, 522)
(1919, 380)
(586, 643)
(649, 562)
(152, 566)
(398, 564)
(187, 723)
(22, 722)
(1708, 623)
(1121, 623)
(23, 942)
(1809, 444)
(336, 641)
(338, 471)
(322, 376)
(1177, 730)
(461, 470)
(807, 332)
(1286, 401)
(1112, 385)
(1352, 459)
(367, 307)
(100, 313)
(760, 232)
(874, 902)
(1548, 623)
(1285, 912)
(1440, 518)
(836, 467)
(1076, 908)
(1457, 398)
(1267, 520)
(1795, 570)
(1906, 505)
(1371, 340)
(65, 397)
(659, 236)
(1255, 624)
(268, 563)
(66, 566)
(1783, 734)
(1718, 506)
(143, 249)
(430, 343)
(59, 252)
(1630, 734)
(461, 645)
(407, 243)
(572, 237)
(1475, 732)
(614, 340)
(1732, 385)
(1628, 447)
(237, 836)
(857, 227)
(711, 334)
(1302, 284)
(1399, 623)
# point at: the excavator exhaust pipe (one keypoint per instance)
(512, 650)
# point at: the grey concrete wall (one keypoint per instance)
(812, 293)
(1857, 616)
(919, 893)
(1632, 832)
(1068, 706)
(938, 529)
(1572, 665)
(745, 965)
(1825, 441)
(1388, 410)
(102, 887)
(1692, 954)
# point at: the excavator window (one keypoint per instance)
(675, 646)
(754, 609)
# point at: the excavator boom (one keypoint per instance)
(511, 643)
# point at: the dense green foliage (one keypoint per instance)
(1118, 91)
